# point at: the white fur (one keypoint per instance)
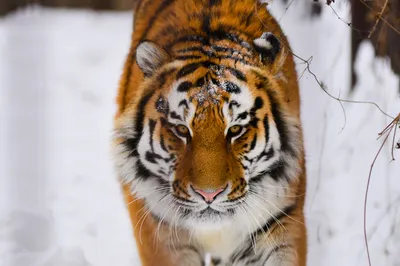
(149, 57)
(261, 42)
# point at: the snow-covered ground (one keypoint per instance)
(60, 203)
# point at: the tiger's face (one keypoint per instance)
(208, 143)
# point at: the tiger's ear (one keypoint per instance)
(150, 57)
(268, 46)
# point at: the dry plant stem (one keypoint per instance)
(341, 19)
(307, 62)
(366, 195)
(394, 140)
(394, 122)
(286, 9)
(377, 19)
(380, 17)
(387, 130)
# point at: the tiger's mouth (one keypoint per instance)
(216, 211)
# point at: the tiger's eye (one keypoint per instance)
(182, 130)
(234, 131)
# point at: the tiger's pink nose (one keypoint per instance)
(209, 195)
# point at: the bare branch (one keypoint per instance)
(387, 130)
(377, 19)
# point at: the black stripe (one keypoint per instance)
(215, 48)
(236, 59)
(237, 73)
(285, 245)
(187, 57)
(206, 25)
(211, 53)
(214, 2)
(220, 34)
(281, 125)
(191, 49)
(230, 50)
(141, 110)
(253, 142)
(184, 104)
(188, 38)
(266, 129)
(152, 157)
(162, 106)
(254, 122)
(246, 253)
(168, 30)
(231, 87)
(287, 211)
(162, 143)
(233, 103)
(200, 82)
(152, 125)
(185, 86)
(215, 82)
(131, 146)
(174, 115)
(162, 7)
(258, 104)
(247, 19)
(262, 81)
(188, 69)
(141, 171)
(247, 159)
(277, 171)
(210, 65)
(268, 154)
(242, 116)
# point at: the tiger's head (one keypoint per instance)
(208, 141)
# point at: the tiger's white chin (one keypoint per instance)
(211, 221)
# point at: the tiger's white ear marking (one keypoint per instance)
(150, 57)
(268, 46)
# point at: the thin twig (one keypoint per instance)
(377, 19)
(366, 197)
(286, 10)
(380, 17)
(345, 22)
(340, 100)
(387, 130)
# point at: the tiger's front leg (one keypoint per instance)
(271, 255)
(282, 244)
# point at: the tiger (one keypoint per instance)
(207, 141)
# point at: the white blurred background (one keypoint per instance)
(60, 203)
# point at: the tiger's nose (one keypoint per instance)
(209, 195)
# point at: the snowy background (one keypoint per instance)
(60, 203)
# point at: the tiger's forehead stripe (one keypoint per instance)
(218, 68)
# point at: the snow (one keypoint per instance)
(60, 203)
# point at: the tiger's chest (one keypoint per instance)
(221, 243)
